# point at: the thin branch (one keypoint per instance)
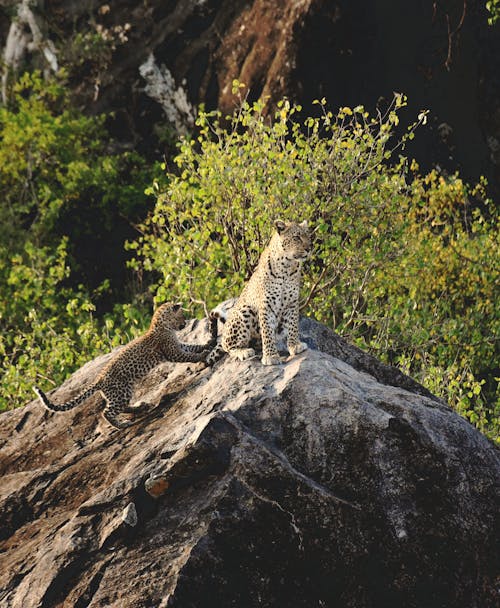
(452, 35)
(312, 291)
(203, 303)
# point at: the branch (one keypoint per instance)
(451, 34)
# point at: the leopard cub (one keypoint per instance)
(269, 299)
(135, 360)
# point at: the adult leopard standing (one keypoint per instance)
(135, 360)
(269, 299)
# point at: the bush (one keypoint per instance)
(443, 297)
(62, 194)
(49, 330)
(58, 179)
(493, 7)
(403, 264)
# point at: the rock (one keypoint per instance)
(349, 52)
(330, 480)
(129, 515)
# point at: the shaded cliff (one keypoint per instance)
(443, 55)
(330, 480)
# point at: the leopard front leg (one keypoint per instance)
(183, 353)
(186, 355)
(291, 324)
(208, 347)
(268, 324)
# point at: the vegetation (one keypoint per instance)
(62, 198)
(493, 7)
(404, 264)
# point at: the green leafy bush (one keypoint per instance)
(403, 265)
(443, 297)
(58, 179)
(49, 330)
(62, 195)
(214, 214)
(493, 7)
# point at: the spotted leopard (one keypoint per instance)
(136, 359)
(269, 299)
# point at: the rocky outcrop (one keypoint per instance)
(330, 480)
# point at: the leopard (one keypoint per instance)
(117, 379)
(270, 299)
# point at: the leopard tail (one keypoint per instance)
(217, 314)
(213, 318)
(217, 351)
(69, 405)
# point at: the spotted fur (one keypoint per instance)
(269, 299)
(135, 360)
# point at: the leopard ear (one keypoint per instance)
(303, 224)
(279, 225)
(177, 307)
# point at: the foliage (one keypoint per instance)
(63, 197)
(405, 265)
(443, 297)
(213, 216)
(404, 269)
(58, 179)
(48, 330)
(88, 54)
(42, 142)
(493, 7)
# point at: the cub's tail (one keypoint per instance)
(69, 405)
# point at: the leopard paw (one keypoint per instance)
(295, 349)
(140, 408)
(214, 355)
(271, 360)
(114, 422)
(242, 353)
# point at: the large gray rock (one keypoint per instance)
(321, 482)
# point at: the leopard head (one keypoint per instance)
(295, 239)
(169, 316)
